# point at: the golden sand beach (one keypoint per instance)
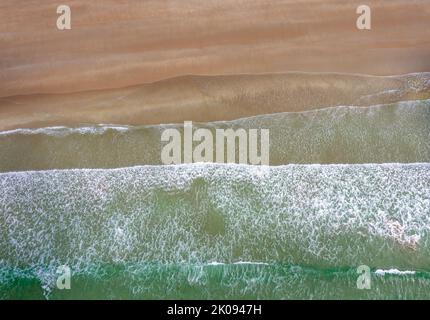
(120, 48)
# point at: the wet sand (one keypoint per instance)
(209, 98)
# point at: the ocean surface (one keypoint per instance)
(346, 186)
(217, 230)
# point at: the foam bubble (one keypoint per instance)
(382, 272)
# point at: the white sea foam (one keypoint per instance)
(215, 263)
(63, 130)
(382, 272)
(252, 263)
(326, 215)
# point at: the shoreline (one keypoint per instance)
(210, 98)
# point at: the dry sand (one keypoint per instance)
(115, 43)
(105, 69)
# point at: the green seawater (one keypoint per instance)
(205, 231)
(231, 281)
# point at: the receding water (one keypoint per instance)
(398, 132)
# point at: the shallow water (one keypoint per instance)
(185, 231)
(398, 132)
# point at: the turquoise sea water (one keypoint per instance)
(214, 231)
